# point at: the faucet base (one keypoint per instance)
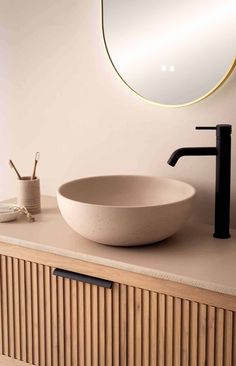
(220, 236)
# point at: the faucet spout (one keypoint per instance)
(190, 151)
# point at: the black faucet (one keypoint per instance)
(222, 151)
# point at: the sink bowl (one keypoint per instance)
(126, 210)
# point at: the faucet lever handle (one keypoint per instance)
(205, 128)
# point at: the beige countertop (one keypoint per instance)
(191, 257)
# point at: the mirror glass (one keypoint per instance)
(171, 52)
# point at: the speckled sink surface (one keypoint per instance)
(191, 257)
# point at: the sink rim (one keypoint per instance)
(190, 196)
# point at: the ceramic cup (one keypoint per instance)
(28, 194)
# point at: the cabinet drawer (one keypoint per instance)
(53, 320)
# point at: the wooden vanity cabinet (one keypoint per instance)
(48, 320)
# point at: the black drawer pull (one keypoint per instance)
(82, 278)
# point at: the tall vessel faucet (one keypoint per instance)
(222, 151)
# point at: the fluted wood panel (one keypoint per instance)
(53, 321)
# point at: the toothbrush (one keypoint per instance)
(35, 164)
(13, 167)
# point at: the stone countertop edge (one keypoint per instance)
(123, 266)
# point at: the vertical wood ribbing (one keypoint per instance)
(22, 310)
(61, 322)
(228, 340)
(194, 334)
(210, 336)
(116, 320)
(169, 330)
(123, 325)
(88, 330)
(74, 324)
(101, 317)
(146, 328)
(10, 307)
(29, 319)
(177, 332)
(202, 335)
(54, 312)
(67, 324)
(41, 287)
(1, 324)
(5, 309)
(51, 321)
(109, 327)
(219, 337)
(48, 324)
(131, 361)
(185, 332)
(35, 313)
(95, 327)
(138, 326)
(161, 329)
(153, 329)
(16, 287)
(81, 325)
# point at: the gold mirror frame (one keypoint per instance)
(217, 86)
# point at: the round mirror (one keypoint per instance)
(171, 52)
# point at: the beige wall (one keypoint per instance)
(60, 95)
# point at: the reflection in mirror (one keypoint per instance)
(171, 52)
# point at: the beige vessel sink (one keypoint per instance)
(125, 210)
